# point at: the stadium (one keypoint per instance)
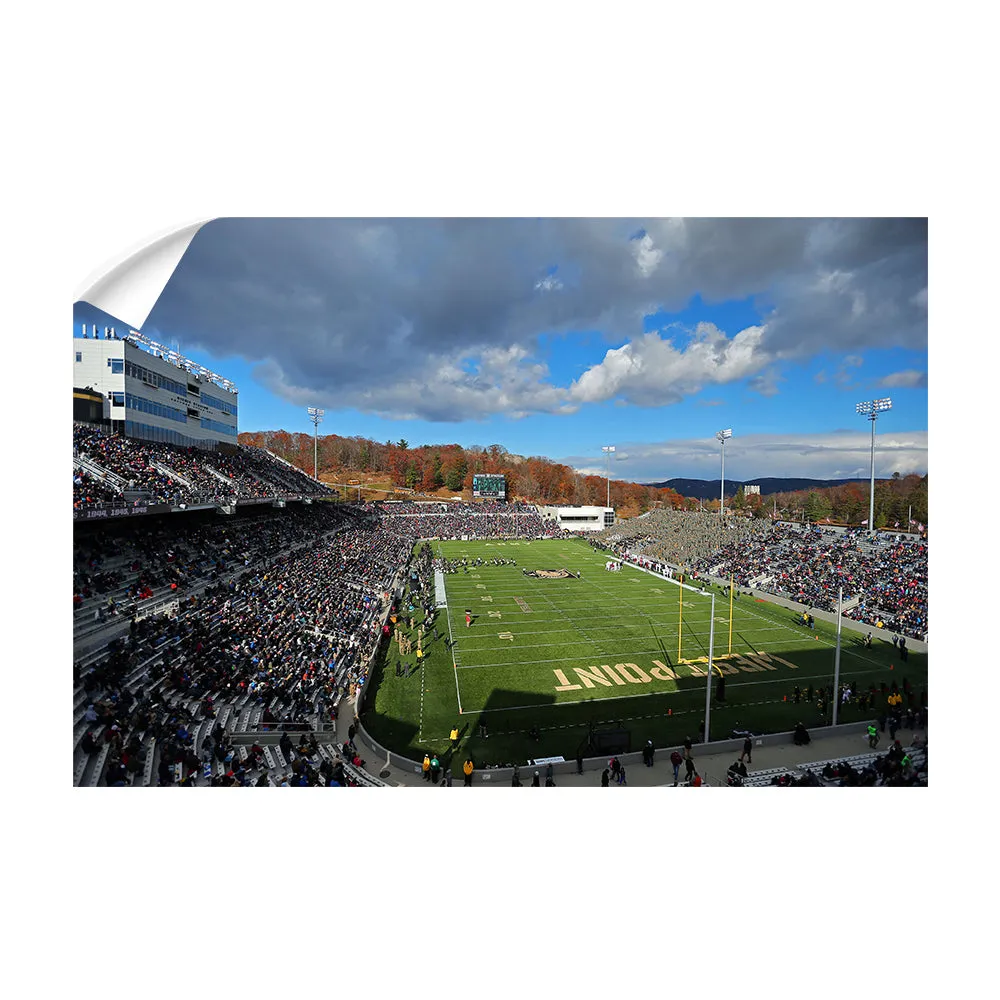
(239, 623)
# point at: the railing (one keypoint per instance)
(112, 479)
(167, 471)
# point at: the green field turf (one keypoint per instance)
(562, 655)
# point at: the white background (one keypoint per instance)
(126, 120)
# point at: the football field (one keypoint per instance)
(560, 654)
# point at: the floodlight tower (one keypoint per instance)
(608, 449)
(872, 409)
(722, 436)
(315, 415)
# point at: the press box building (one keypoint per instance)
(154, 393)
(579, 518)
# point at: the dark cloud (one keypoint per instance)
(334, 308)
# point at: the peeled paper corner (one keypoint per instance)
(129, 287)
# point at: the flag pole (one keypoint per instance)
(708, 683)
(836, 660)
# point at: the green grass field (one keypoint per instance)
(562, 655)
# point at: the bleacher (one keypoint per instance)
(109, 468)
(857, 762)
(182, 718)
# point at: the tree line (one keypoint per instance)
(429, 468)
(896, 499)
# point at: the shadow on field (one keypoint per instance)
(514, 722)
(396, 734)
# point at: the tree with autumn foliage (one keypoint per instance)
(429, 468)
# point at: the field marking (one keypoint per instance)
(454, 656)
(773, 622)
(670, 693)
(562, 614)
(617, 641)
(620, 654)
(420, 725)
(669, 630)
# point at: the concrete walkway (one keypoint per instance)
(710, 764)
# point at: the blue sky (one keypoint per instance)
(553, 337)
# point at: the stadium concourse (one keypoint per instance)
(230, 650)
(782, 762)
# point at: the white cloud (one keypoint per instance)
(647, 256)
(471, 387)
(651, 371)
(550, 283)
(905, 380)
(354, 311)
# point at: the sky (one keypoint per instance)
(555, 337)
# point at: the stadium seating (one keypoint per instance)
(884, 579)
(113, 469)
(154, 682)
(273, 613)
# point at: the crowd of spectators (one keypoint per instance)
(665, 536)
(884, 578)
(88, 489)
(124, 558)
(289, 636)
(291, 604)
(452, 519)
(168, 473)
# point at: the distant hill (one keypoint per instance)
(708, 489)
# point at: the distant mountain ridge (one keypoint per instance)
(708, 489)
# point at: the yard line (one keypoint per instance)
(618, 645)
(570, 621)
(618, 657)
(454, 654)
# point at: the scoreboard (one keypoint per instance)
(492, 486)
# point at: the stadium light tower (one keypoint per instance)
(608, 449)
(872, 409)
(722, 436)
(316, 415)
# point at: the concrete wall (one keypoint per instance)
(502, 775)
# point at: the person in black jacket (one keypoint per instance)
(165, 773)
(747, 750)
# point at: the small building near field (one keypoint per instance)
(579, 518)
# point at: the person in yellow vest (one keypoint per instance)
(427, 767)
(467, 768)
(454, 737)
